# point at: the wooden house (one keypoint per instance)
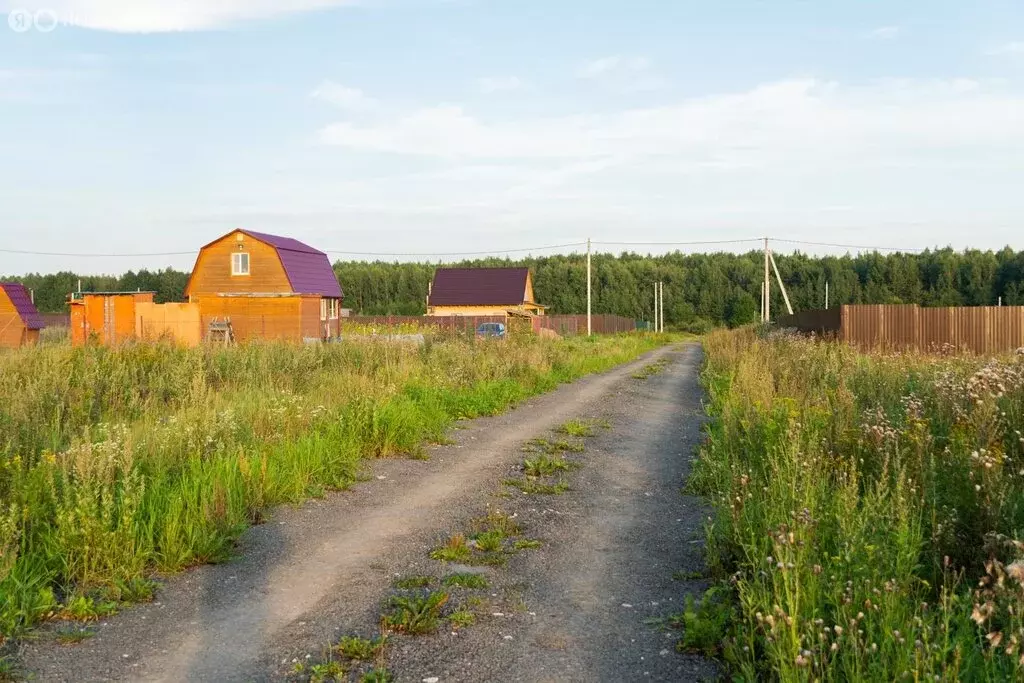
(20, 322)
(482, 292)
(251, 285)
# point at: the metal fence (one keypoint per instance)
(973, 329)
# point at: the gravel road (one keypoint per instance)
(576, 609)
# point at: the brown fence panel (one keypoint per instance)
(974, 329)
(823, 322)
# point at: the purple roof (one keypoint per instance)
(309, 270)
(478, 286)
(22, 301)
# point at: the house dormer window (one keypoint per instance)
(240, 263)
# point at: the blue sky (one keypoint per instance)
(140, 126)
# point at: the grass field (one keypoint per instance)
(869, 513)
(119, 463)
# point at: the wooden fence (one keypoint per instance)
(976, 329)
(564, 325)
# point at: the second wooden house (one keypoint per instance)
(251, 285)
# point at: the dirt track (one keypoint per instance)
(573, 610)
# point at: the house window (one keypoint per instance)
(240, 263)
(329, 309)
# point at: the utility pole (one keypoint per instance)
(826, 295)
(589, 329)
(655, 321)
(767, 313)
(661, 306)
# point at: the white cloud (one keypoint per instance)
(615, 64)
(156, 16)
(1011, 49)
(793, 121)
(499, 84)
(351, 99)
(884, 33)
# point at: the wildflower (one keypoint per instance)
(1016, 571)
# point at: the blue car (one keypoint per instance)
(491, 330)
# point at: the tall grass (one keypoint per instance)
(115, 463)
(869, 510)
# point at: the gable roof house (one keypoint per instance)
(266, 287)
(20, 321)
(482, 292)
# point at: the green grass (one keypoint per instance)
(545, 466)
(417, 615)
(527, 544)
(462, 580)
(71, 635)
(116, 463)
(454, 550)
(8, 669)
(868, 513)
(577, 428)
(534, 487)
(360, 649)
(461, 618)
(489, 541)
(377, 675)
(650, 370)
(408, 582)
(496, 520)
(327, 672)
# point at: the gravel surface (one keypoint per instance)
(575, 609)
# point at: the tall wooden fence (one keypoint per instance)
(975, 329)
(564, 325)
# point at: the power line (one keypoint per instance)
(680, 244)
(343, 252)
(55, 253)
(455, 253)
(842, 246)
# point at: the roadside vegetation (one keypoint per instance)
(869, 513)
(119, 464)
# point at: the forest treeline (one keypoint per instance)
(700, 289)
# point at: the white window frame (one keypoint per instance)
(330, 309)
(236, 263)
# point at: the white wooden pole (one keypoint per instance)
(655, 320)
(589, 328)
(661, 306)
(767, 286)
(778, 277)
(826, 295)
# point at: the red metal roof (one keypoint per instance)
(309, 270)
(22, 301)
(478, 287)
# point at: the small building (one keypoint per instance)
(20, 322)
(115, 317)
(482, 292)
(251, 285)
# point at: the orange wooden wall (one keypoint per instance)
(176, 321)
(212, 272)
(290, 318)
(12, 329)
(111, 317)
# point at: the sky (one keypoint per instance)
(132, 127)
